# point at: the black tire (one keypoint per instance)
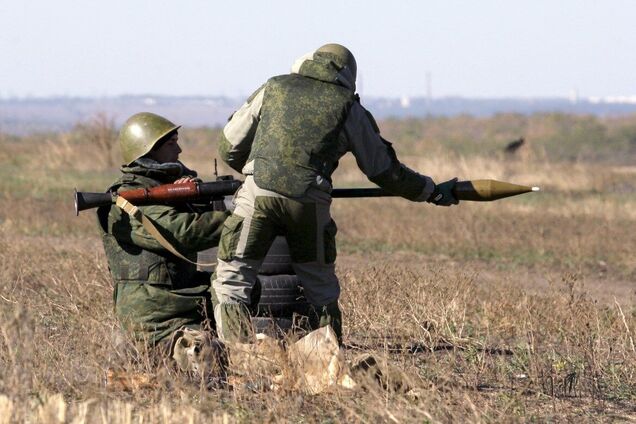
(273, 327)
(278, 260)
(281, 297)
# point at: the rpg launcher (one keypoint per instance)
(198, 192)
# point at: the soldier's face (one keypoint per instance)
(168, 152)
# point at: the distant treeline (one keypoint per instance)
(546, 136)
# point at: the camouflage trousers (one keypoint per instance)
(260, 215)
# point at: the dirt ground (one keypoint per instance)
(512, 311)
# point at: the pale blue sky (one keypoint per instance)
(482, 48)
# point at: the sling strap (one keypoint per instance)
(138, 215)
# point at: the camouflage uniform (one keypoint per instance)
(155, 292)
(287, 139)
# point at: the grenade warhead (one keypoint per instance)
(487, 190)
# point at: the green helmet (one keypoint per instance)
(341, 56)
(140, 133)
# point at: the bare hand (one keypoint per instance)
(184, 180)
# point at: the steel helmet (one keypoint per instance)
(341, 56)
(141, 132)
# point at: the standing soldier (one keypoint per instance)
(157, 293)
(287, 139)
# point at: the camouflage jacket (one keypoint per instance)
(291, 132)
(156, 292)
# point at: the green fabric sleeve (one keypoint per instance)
(377, 159)
(188, 232)
(234, 158)
(238, 133)
(405, 182)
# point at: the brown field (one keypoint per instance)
(521, 310)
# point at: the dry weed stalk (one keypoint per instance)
(627, 329)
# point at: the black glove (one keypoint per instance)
(443, 194)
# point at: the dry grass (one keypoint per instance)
(519, 310)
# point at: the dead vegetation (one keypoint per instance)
(519, 310)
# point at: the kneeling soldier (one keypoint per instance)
(158, 296)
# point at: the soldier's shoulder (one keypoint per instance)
(284, 77)
(133, 181)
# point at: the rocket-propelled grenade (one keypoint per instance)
(190, 191)
(473, 190)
